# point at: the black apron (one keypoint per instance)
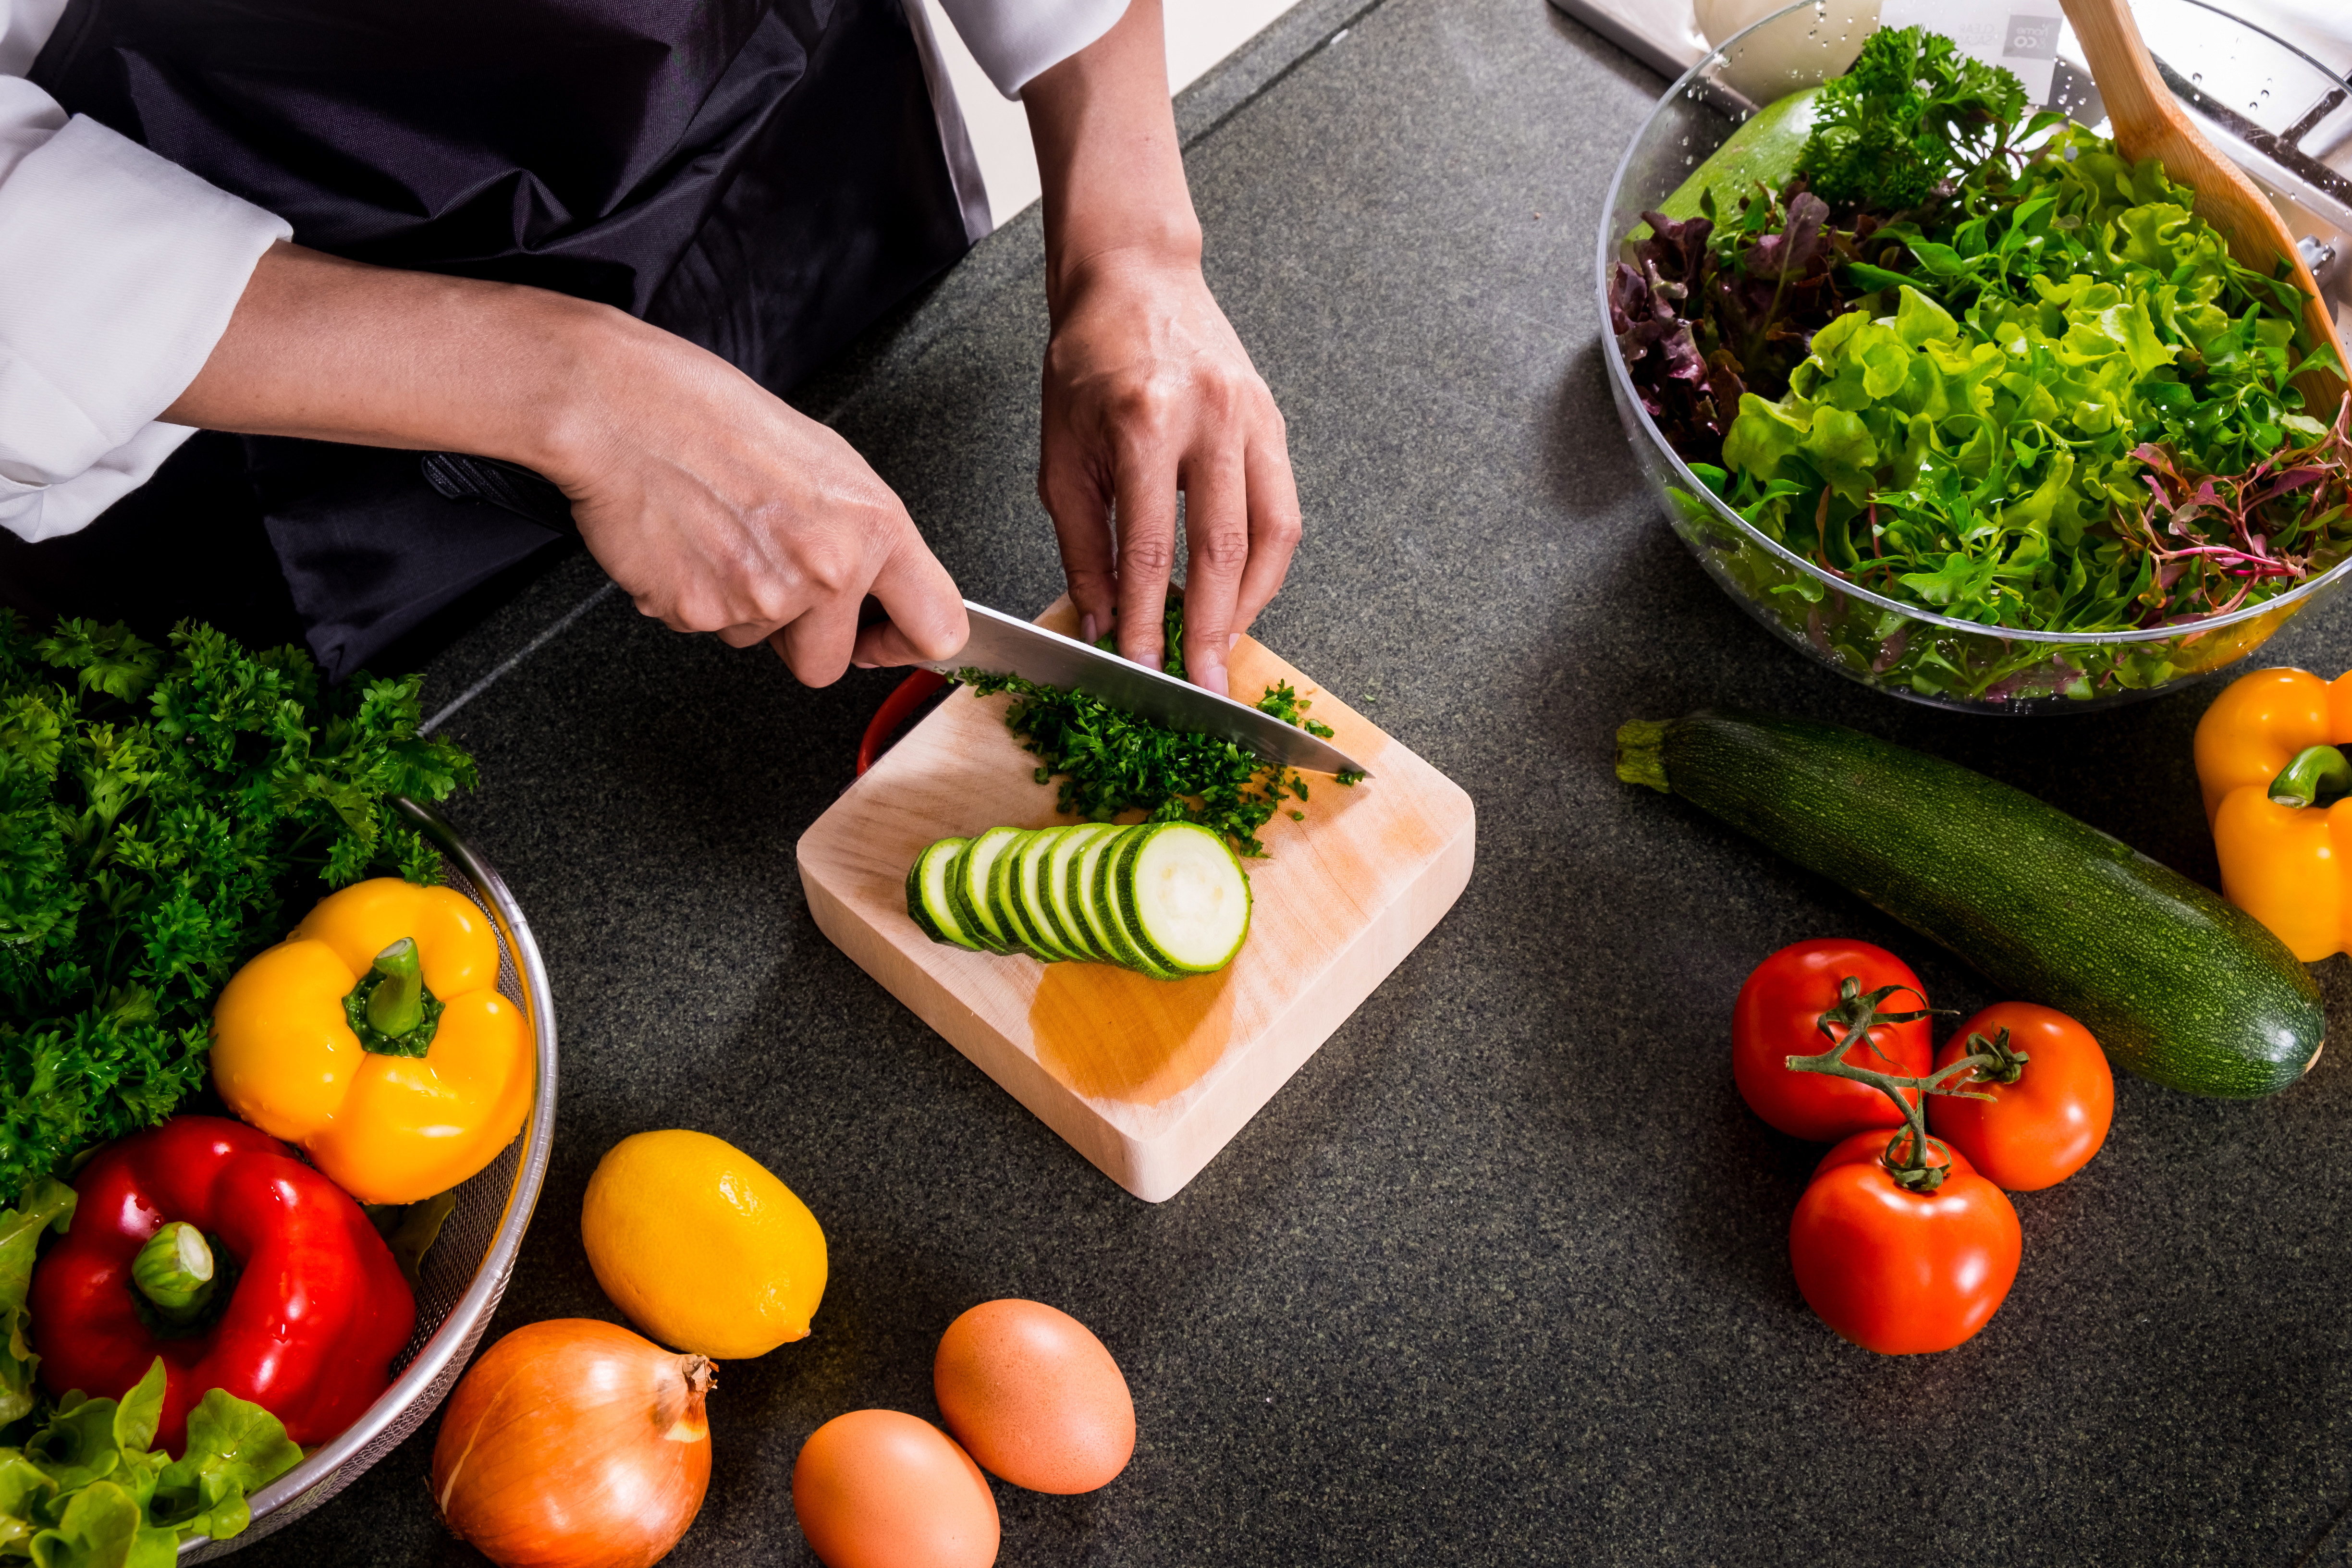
(761, 177)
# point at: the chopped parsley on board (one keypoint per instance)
(1112, 762)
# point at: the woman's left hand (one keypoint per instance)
(1148, 391)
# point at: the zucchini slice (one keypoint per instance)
(968, 879)
(1113, 908)
(1032, 887)
(1069, 915)
(927, 895)
(1004, 902)
(1183, 896)
(1090, 897)
(1163, 898)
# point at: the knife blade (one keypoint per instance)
(1002, 645)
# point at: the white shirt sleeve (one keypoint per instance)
(1015, 40)
(119, 271)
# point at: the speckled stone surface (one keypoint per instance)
(1501, 1276)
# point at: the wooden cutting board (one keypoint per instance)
(1148, 1078)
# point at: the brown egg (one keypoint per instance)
(879, 1488)
(1035, 1397)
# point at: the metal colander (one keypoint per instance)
(465, 1272)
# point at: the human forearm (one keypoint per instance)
(1107, 155)
(335, 351)
(718, 507)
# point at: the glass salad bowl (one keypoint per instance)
(2296, 123)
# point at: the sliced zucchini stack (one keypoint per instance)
(1163, 898)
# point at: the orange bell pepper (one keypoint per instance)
(374, 1036)
(2275, 792)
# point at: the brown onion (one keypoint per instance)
(574, 1444)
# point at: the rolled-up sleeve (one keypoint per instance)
(118, 272)
(1015, 40)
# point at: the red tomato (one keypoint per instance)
(1901, 1272)
(1779, 1015)
(2043, 1127)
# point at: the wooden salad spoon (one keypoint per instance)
(2148, 122)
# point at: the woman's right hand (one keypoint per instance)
(720, 507)
(714, 504)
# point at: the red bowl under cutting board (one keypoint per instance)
(1148, 1078)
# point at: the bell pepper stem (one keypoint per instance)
(2319, 776)
(391, 1010)
(397, 1004)
(174, 1270)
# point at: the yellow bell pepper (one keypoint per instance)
(375, 1037)
(2276, 795)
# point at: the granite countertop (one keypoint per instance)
(1501, 1276)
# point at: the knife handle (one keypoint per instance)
(455, 475)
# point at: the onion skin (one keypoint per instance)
(574, 1444)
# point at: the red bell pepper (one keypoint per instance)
(315, 1313)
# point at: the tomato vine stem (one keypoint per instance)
(1857, 1013)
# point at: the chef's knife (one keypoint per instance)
(1002, 645)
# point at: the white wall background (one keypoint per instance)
(1200, 34)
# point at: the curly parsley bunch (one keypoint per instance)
(158, 808)
(1913, 113)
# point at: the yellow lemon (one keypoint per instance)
(701, 1246)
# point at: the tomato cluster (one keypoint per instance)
(1901, 1250)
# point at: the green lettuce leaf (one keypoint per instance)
(1984, 448)
(77, 1446)
(141, 1411)
(235, 1449)
(48, 1205)
(87, 1489)
(26, 1494)
(101, 1528)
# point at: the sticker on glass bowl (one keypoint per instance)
(2024, 39)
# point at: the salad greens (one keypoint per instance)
(1714, 311)
(1975, 361)
(158, 808)
(86, 1490)
(1992, 459)
(47, 1205)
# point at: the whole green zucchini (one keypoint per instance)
(2178, 985)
